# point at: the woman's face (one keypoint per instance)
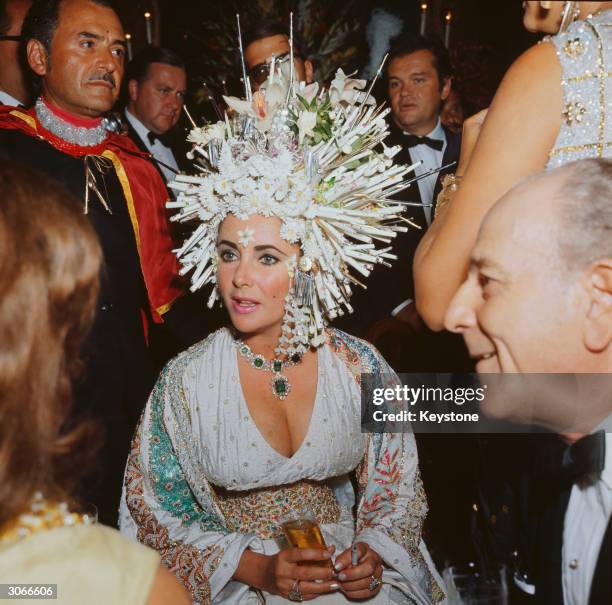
(538, 19)
(253, 273)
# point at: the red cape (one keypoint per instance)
(145, 194)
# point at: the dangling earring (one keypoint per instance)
(571, 12)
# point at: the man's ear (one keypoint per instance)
(133, 90)
(446, 88)
(598, 321)
(38, 60)
(309, 71)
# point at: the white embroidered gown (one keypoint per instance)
(202, 484)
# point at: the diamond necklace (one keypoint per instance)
(281, 387)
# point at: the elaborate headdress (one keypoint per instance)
(314, 158)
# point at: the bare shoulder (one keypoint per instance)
(167, 589)
(537, 67)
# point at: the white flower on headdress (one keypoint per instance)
(291, 263)
(292, 231)
(306, 123)
(201, 136)
(245, 236)
(223, 186)
(347, 90)
(309, 92)
(262, 107)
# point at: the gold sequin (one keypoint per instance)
(573, 48)
(573, 112)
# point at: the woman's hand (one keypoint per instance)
(355, 580)
(277, 574)
(471, 131)
(288, 565)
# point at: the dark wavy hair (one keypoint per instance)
(49, 264)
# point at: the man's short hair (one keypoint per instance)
(138, 68)
(266, 28)
(406, 44)
(43, 18)
(5, 20)
(585, 226)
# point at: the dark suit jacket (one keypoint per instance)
(389, 287)
(178, 146)
(548, 557)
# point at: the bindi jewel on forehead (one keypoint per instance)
(245, 236)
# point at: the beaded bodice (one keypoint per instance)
(585, 54)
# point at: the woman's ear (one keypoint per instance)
(598, 320)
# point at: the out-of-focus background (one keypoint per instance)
(484, 37)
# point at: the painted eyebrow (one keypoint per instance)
(258, 248)
(91, 36)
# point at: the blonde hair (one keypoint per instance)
(49, 264)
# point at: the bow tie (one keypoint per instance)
(164, 139)
(585, 457)
(411, 140)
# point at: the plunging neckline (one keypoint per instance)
(311, 420)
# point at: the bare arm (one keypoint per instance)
(518, 134)
(167, 589)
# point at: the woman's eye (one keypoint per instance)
(227, 256)
(268, 259)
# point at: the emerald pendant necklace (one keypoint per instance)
(281, 387)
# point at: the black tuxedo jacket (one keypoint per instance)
(389, 287)
(179, 148)
(548, 558)
(543, 498)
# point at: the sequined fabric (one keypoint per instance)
(77, 135)
(258, 511)
(585, 54)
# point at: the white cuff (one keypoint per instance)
(401, 306)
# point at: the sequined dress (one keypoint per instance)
(202, 484)
(585, 54)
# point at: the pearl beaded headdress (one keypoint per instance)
(314, 158)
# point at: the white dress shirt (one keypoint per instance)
(430, 159)
(586, 520)
(158, 150)
(7, 99)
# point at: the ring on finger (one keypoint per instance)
(374, 583)
(295, 593)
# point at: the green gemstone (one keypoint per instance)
(258, 362)
(280, 386)
(244, 350)
(277, 365)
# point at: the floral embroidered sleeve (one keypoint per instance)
(168, 505)
(391, 501)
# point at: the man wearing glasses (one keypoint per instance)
(13, 90)
(271, 38)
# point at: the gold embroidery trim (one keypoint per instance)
(258, 510)
(29, 120)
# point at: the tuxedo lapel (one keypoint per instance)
(549, 587)
(601, 586)
(451, 154)
(141, 145)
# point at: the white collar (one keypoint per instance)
(437, 133)
(7, 99)
(141, 130)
